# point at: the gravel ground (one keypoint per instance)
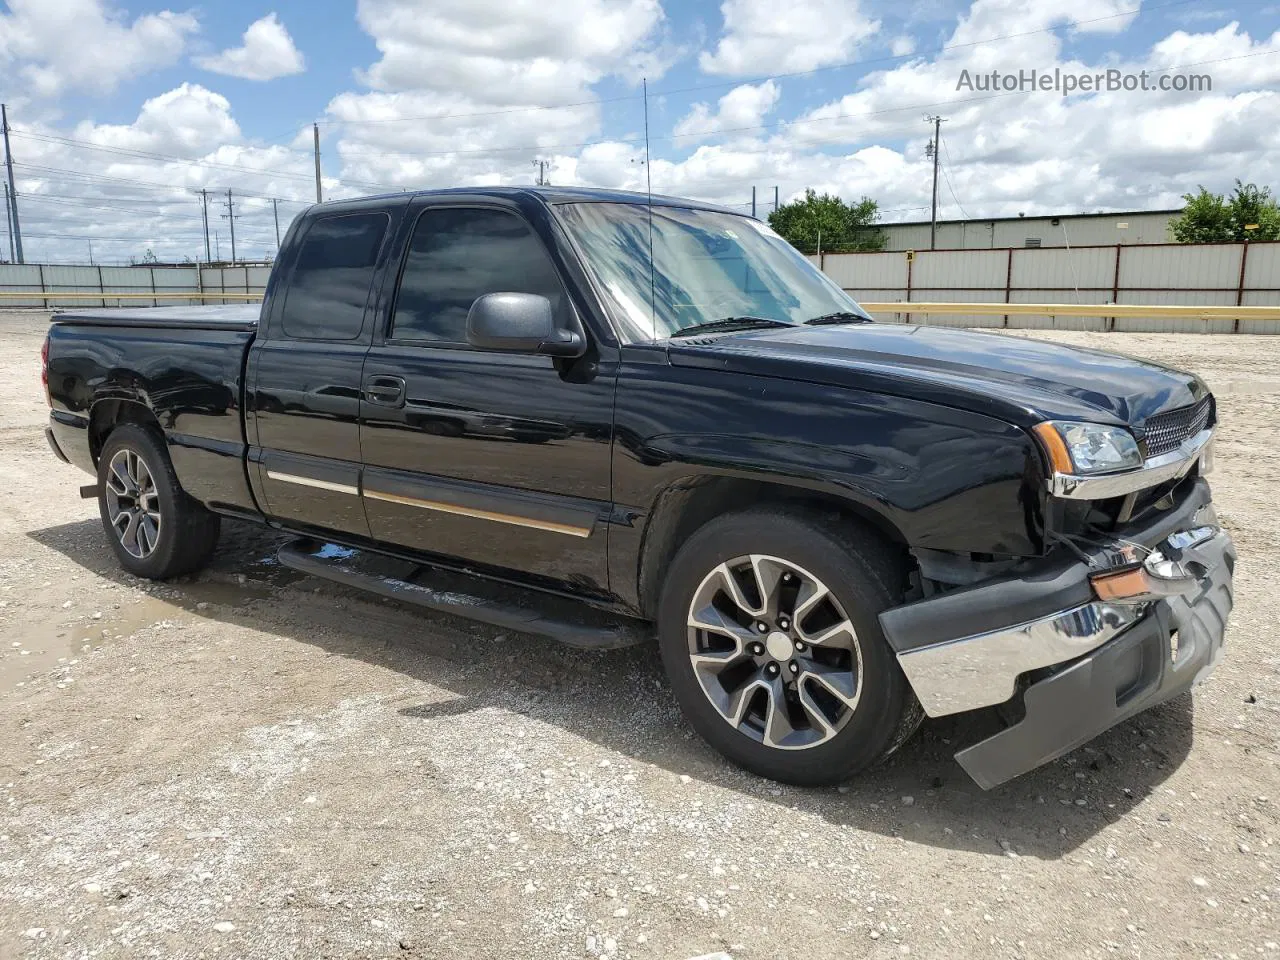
(251, 764)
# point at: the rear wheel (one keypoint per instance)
(769, 633)
(155, 529)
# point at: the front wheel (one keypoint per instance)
(769, 633)
(155, 529)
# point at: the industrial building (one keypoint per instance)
(1065, 230)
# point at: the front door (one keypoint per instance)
(303, 404)
(499, 460)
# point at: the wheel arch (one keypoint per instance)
(687, 504)
(109, 412)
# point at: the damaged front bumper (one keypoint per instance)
(1083, 658)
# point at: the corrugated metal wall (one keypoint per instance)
(1069, 231)
(1161, 274)
(49, 279)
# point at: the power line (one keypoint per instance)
(78, 176)
(169, 158)
(84, 205)
(946, 175)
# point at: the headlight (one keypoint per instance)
(1075, 447)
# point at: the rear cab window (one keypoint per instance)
(329, 288)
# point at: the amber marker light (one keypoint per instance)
(1055, 447)
(1125, 585)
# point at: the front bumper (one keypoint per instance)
(1085, 665)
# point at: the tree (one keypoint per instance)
(827, 220)
(150, 256)
(1213, 218)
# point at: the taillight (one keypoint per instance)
(44, 371)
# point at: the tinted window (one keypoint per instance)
(458, 255)
(330, 282)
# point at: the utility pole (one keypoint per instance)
(8, 224)
(933, 151)
(90, 241)
(204, 213)
(753, 201)
(217, 246)
(275, 209)
(13, 191)
(542, 173)
(775, 198)
(315, 135)
(231, 218)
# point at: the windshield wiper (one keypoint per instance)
(844, 316)
(731, 323)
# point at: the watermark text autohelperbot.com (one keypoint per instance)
(1066, 82)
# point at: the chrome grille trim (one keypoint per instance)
(1167, 431)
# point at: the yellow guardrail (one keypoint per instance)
(48, 295)
(1077, 310)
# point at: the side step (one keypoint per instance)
(474, 598)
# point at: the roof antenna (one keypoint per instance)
(648, 180)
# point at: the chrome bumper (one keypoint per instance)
(983, 669)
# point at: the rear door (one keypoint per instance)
(305, 374)
(497, 459)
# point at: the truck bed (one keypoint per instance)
(186, 364)
(233, 317)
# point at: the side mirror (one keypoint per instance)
(520, 323)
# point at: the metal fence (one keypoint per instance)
(1221, 275)
(1153, 275)
(53, 286)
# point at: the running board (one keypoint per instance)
(474, 598)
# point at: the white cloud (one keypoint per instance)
(57, 46)
(267, 53)
(187, 121)
(903, 46)
(127, 198)
(447, 103)
(468, 71)
(742, 107)
(761, 38)
(526, 51)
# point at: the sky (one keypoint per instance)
(122, 113)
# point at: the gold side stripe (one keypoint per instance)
(313, 482)
(480, 514)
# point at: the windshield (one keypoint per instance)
(707, 266)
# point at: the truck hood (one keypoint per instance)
(1015, 378)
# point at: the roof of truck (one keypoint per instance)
(551, 195)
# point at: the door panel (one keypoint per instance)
(491, 458)
(305, 377)
(495, 459)
(309, 433)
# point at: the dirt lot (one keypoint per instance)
(254, 765)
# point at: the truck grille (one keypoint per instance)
(1166, 431)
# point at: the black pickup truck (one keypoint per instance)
(601, 416)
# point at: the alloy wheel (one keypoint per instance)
(775, 652)
(133, 503)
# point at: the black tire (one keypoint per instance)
(863, 573)
(186, 534)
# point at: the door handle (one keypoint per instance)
(388, 391)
